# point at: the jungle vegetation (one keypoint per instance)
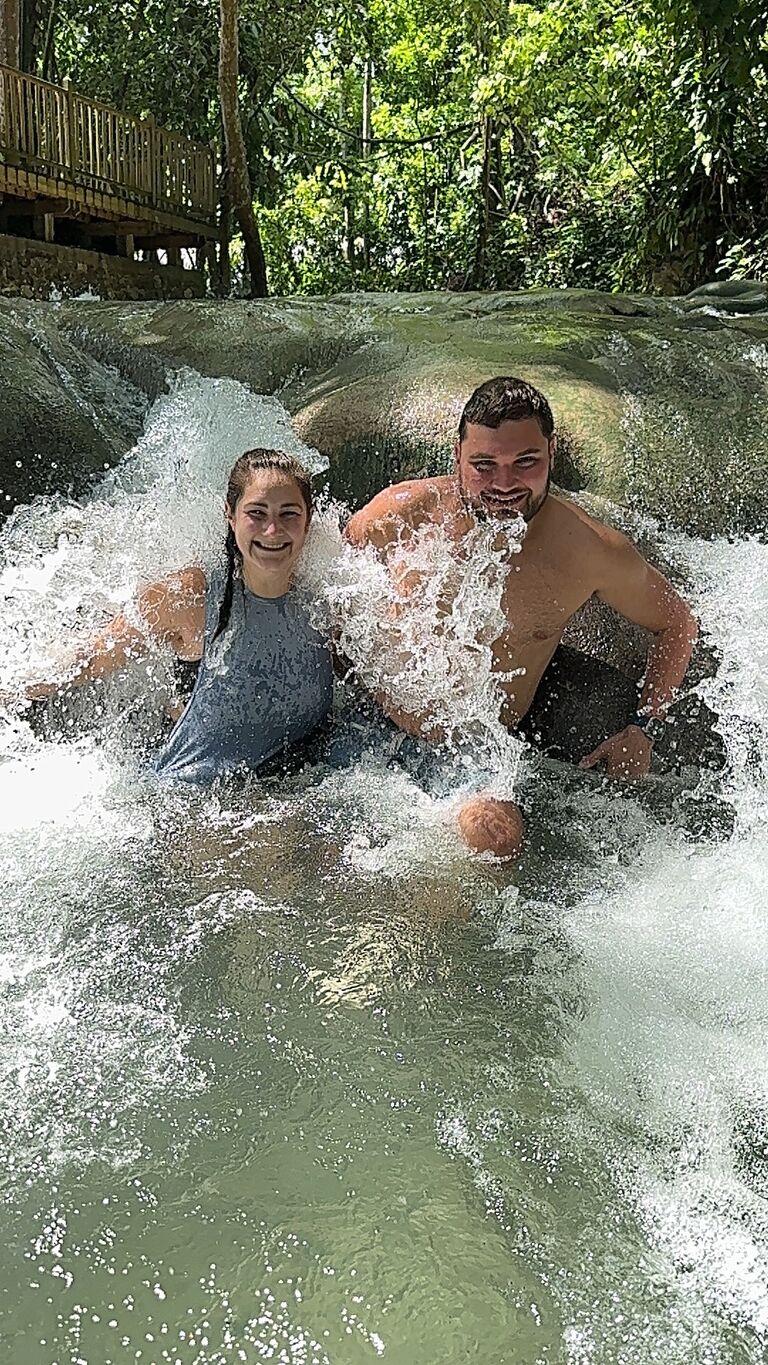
(427, 144)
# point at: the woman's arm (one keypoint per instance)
(171, 613)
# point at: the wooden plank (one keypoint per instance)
(152, 241)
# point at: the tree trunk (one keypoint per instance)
(481, 245)
(10, 32)
(138, 19)
(237, 162)
(491, 209)
(366, 140)
(46, 61)
(30, 34)
(350, 147)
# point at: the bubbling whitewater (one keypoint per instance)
(67, 566)
(287, 1076)
(419, 631)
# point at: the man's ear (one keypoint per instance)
(456, 452)
(229, 515)
(552, 449)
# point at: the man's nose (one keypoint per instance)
(506, 479)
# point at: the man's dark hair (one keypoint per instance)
(506, 400)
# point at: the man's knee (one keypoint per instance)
(492, 826)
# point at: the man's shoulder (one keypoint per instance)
(409, 502)
(412, 495)
(583, 529)
(584, 548)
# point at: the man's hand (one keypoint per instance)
(626, 755)
(28, 692)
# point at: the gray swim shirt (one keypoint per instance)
(264, 684)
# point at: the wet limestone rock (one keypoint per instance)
(652, 410)
(659, 403)
(64, 419)
(261, 342)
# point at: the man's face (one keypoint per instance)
(504, 472)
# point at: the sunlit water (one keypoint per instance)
(287, 1076)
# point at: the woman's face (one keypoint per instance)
(270, 524)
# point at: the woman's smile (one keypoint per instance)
(270, 549)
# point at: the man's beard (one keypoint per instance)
(527, 512)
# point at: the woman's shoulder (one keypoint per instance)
(168, 602)
(192, 579)
(187, 585)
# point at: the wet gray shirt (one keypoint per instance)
(264, 684)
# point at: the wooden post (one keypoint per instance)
(152, 172)
(213, 182)
(42, 225)
(7, 125)
(174, 255)
(72, 149)
(125, 245)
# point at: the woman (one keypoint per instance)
(265, 680)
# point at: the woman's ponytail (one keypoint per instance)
(225, 609)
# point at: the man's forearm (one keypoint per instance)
(668, 659)
(421, 727)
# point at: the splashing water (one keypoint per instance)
(69, 565)
(288, 1077)
(419, 628)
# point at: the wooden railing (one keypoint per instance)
(53, 131)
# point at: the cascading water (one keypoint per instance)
(288, 1077)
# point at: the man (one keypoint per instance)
(503, 465)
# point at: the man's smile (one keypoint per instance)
(504, 502)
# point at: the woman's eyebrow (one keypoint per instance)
(284, 506)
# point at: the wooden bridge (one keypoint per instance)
(75, 171)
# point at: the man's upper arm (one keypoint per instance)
(383, 521)
(631, 585)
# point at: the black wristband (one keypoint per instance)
(653, 727)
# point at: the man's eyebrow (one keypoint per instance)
(483, 455)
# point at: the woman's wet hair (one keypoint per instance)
(240, 475)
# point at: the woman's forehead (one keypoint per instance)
(274, 483)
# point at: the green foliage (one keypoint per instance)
(553, 143)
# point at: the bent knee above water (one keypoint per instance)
(488, 825)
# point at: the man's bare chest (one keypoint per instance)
(539, 599)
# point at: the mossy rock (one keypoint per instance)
(260, 342)
(659, 405)
(389, 411)
(64, 419)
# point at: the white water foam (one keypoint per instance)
(419, 628)
(675, 950)
(673, 941)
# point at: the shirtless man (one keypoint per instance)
(503, 454)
